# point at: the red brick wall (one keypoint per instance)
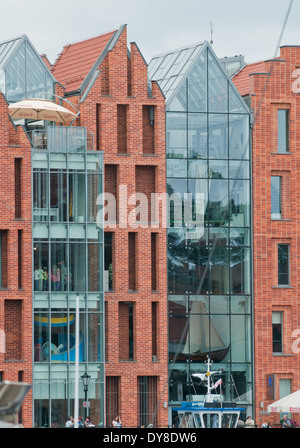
(16, 323)
(270, 92)
(118, 81)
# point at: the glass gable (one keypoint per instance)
(209, 271)
(22, 71)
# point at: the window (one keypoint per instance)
(3, 259)
(13, 329)
(112, 398)
(153, 261)
(283, 264)
(108, 261)
(20, 244)
(148, 130)
(122, 111)
(283, 130)
(132, 272)
(284, 387)
(154, 313)
(126, 331)
(147, 400)
(277, 331)
(18, 190)
(275, 197)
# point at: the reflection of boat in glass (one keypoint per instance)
(212, 412)
(201, 339)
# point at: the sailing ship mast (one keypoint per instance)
(210, 397)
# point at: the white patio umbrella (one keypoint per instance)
(290, 403)
(37, 109)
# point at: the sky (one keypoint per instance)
(251, 28)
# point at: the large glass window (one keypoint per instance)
(176, 135)
(209, 272)
(26, 76)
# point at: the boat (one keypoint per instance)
(213, 412)
(201, 339)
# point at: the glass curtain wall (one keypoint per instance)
(25, 75)
(209, 272)
(68, 262)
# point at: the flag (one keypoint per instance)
(217, 383)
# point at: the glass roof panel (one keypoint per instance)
(209, 87)
(172, 65)
(7, 49)
(236, 103)
(217, 86)
(23, 74)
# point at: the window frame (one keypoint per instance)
(275, 341)
(288, 265)
(283, 130)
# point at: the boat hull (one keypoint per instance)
(216, 356)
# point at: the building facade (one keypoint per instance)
(271, 89)
(209, 250)
(52, 251)
(156, 296)
(127, 118)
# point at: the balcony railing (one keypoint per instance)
(62, 139)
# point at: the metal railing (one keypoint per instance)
(62, 139)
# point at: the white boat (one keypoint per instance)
(213, 412)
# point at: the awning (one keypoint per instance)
(290, 403)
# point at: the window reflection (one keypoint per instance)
(176, 136)
(218, 136)
(54, 336)
(218, 205)
(238, 136)
(197, 136)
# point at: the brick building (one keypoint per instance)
(143, 289)
(270, 88)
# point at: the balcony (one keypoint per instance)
(62, 139)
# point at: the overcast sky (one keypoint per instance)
(251, 28)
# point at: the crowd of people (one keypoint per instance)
(87, 423)
(56, 279)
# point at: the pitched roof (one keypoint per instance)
(76, 60)
(7, 48)
(241, 79)
(169, 68)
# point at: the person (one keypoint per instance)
(249, 422)
(41, 278)
(80, 422)
(70, 422)
(286, 423)
(117, 422)
(88, 423)
(266, 425)
(45, 280)
(36, 278)
(240, 423)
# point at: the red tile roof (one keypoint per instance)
(241, 79)
(76, 60)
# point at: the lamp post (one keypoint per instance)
(85, 382)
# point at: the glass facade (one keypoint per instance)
(209, 273)
(68, 262)
(22, 71)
